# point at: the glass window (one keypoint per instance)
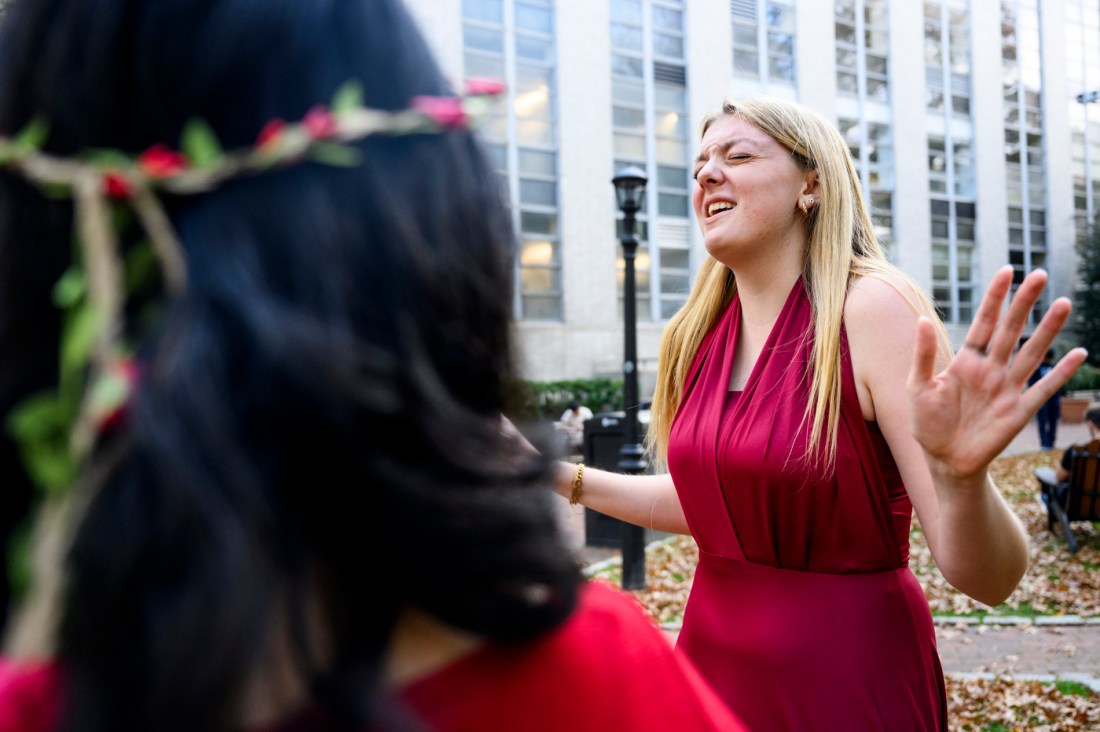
(664, 45)
(533, 19)
(482, 39)
(533, 49)
(627, 11)
(629, 147)
(536, 132)
(626, 37)
(538, 162)
(667, 18)
(628, 119)
(673, 205)
(488, 10)
(538, 223)
(675, 258)
(478, 66)
(538, 192)
(672, 177)
(626, 65)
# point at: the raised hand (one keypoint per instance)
(965, 415)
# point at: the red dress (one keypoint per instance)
(804, 614)
(606, 668)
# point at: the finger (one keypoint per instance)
(989, 310)
(1012, 326)
(1046, 387)
(923, 369)
(1032, 353)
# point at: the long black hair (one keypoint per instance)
(318, 417)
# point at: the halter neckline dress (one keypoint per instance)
(804, 614)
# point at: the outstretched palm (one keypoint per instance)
(965, 415)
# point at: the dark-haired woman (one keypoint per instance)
(282, 357)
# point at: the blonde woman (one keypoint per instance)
(807, 402)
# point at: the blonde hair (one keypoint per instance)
(841, 246)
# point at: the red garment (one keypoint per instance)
(804, 614)
(607, 668)
(30, 696)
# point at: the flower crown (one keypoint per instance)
(56, 430)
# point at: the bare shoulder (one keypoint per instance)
(882, 306)
(880, 318)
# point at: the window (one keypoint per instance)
(526, 158)
(862, 41)
(649, 114)
(1024, 181)
(951, 176)
(764, 40)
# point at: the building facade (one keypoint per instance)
(974, 124)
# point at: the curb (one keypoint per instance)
(1015, 620)
(1090, 681)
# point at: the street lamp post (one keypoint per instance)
(629, 190)
(1085, 99)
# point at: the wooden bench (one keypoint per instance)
(1078, 498)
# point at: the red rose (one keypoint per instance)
(160, 161)
(271, 133)
(447, 112)
(116, 185)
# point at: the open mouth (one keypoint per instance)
(719, 206)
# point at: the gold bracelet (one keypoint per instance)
(578, 477)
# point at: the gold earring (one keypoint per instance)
(802, 205)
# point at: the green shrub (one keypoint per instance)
(1086, 378)
(1086, 300)
(539, 400)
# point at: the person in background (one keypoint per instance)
(1092, 421)
(282, 357)
(807, 402)
(572, 423)
(1048, 414)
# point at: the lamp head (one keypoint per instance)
(630, 188)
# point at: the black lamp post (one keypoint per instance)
(629, 192)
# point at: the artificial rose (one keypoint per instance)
(116, 185)
(484, 87)
(271, 133)
(447, 112)
(160, 161)
(319, 123)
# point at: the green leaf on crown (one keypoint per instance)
(200, 145)
(33, 136)
(348, 98)
(340, 156)
(41, 424)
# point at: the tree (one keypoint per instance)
(1086, 305)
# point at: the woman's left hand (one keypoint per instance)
(965, 415)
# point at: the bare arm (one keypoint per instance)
(644, 500)
(649, 501)
(946, 419)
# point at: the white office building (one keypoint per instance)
(971, 123)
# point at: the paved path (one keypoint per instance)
(1029, 650)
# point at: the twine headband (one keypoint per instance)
(56, 430)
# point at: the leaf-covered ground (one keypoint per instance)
(1056, 583)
